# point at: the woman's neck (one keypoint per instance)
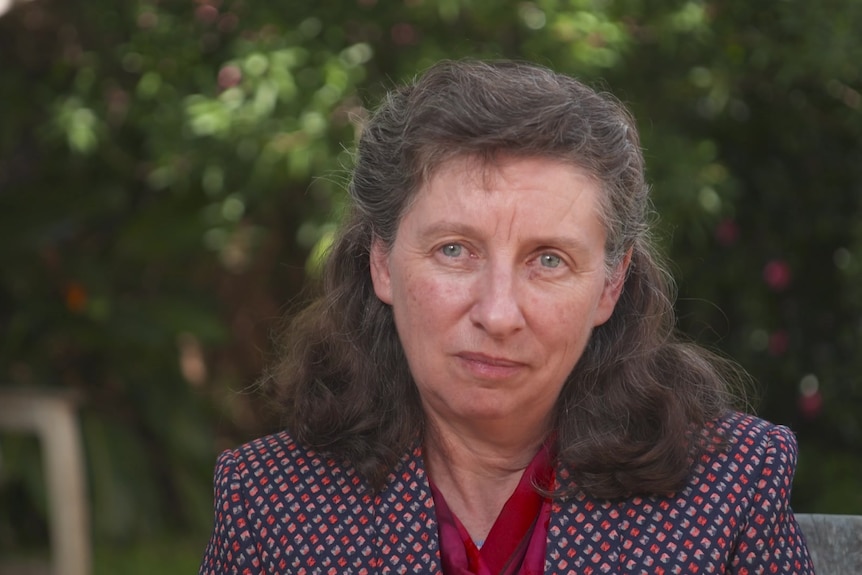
(477, 471)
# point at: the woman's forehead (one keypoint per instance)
(483, 169)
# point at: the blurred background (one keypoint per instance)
(171, 171)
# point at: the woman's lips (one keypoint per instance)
(490, 367)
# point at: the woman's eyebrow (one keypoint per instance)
(567, 243)
(446, 227)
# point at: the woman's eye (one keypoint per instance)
(550, 260)
(451, 250)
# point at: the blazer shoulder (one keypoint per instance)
(745, 432)
(752, 449)
(280, 459)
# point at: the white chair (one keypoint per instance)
(52, 417)
(835, 542)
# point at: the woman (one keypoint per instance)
(490, 381)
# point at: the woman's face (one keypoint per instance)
(496, 279)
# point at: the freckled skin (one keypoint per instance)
(496, 279)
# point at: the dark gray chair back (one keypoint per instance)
(835, 542)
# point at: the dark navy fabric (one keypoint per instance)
(282, 508)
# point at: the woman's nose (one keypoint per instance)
(497, 307)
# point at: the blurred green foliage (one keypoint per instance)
(166, 556)
(170, 172)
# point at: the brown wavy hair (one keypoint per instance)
(638, 403)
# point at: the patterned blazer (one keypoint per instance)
(283, 508)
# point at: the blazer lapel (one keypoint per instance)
(405, 520)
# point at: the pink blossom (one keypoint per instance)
(727, 232)
(229, 76)
(206, 13)
(810, 404)
(777, 274)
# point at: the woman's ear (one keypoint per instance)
(380, 276)
(613, 288)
